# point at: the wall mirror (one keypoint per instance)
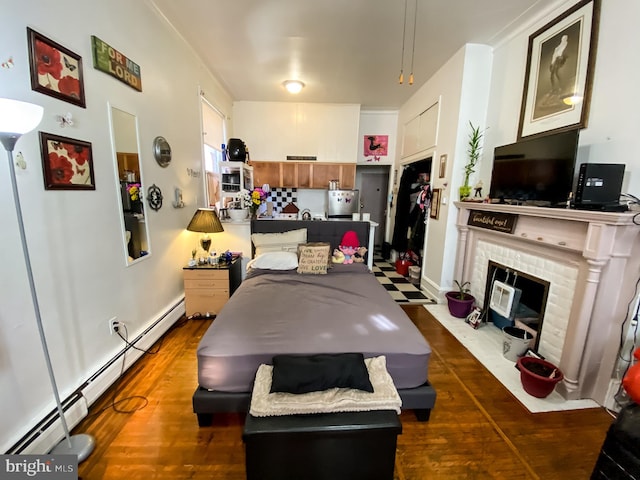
(135, 235)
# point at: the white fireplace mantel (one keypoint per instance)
(592, 260)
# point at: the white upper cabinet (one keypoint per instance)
(420, 132)
(274, 130)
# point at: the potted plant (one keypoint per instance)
(474, 155)
(460, 301)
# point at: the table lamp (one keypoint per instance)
(206, 221)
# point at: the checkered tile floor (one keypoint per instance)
(400, 288)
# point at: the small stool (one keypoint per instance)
(327, 446)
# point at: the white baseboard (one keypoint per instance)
(47, 438)
(48, 432)
(107, 375)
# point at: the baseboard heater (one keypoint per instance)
(48, 432)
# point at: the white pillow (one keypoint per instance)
(274, 261)
(279, 242)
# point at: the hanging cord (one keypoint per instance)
(404, 31)
(413, 50)
(620, 393)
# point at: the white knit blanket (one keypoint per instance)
(384, 396)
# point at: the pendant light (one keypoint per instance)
(404, 31)
(413, 49)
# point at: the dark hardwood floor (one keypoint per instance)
(477, 430)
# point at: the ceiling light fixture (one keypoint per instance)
(293, 86)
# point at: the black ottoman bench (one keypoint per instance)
(327, 446)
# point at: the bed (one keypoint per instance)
(281, 311)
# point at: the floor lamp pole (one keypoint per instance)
(81, 445)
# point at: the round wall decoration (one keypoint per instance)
(154, 196)
(162, 151)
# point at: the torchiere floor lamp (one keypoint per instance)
(16, 119)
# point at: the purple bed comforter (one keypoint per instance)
(273, 313)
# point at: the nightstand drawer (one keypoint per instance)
(206, 274)
(206, 283)
(197, 304)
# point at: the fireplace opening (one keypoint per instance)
(515, 298)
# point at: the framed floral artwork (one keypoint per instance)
(55, 70)
(559, 72)
(67, 163)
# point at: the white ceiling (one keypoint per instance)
(346, 51)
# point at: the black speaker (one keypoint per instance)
(236, 150)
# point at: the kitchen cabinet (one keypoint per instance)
(128, 163)
(275, 130)
(303, 174)
(267, 172)
(289, 173)
(347, 176)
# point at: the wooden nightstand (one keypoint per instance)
(207, 288)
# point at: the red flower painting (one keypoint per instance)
(69, 86)
(61, 168)
(55, 70)
(67, 163)
(48, 60)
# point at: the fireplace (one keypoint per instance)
(586, 264)
(515, 298)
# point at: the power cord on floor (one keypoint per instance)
(114, 403)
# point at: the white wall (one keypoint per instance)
(460, 88)
(378, 123)
(610, 137)
(611, 134)
(74, 237)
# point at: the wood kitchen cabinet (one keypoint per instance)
(303, 174)
(267, 172)
(347, 176)
(207, 288)
(289, 173)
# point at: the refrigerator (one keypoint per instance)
(342, 203)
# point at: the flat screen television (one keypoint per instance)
(538, 171)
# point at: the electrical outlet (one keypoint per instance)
(114, 324)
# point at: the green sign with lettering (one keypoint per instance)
(109, 60)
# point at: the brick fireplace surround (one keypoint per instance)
(592, 261)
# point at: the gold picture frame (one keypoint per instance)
(434, 210)
(559, 72)
(443, 166)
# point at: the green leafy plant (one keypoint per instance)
(473, 151)
(462, 289)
